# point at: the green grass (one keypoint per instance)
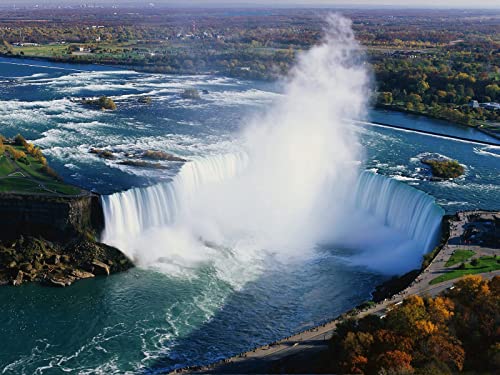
(63, 188)
(6, 167)
(37, 176)
(18, 184)
(459, 256)
(485, 264)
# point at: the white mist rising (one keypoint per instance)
(283, 194)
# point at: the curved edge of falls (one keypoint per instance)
(401, 207)
(394, 204)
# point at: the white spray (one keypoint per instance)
(284, 192)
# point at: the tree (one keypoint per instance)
(386, 97)
(395, 361)
(415, 98)
(493, 91)
(422, 87)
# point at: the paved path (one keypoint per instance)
(304, 343)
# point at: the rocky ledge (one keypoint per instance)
(57, 264)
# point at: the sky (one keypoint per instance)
(267, 3)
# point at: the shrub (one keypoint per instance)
(50, 172)
(16, 154)
(19, 140)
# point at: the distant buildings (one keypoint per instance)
(474, 104)
(25, 44)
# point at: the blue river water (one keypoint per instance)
(148, 321)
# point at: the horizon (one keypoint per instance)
(394, 4)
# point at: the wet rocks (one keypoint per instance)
(104, 154)
(57, 264)
(19, 278)
(161, 155)
(99, 268)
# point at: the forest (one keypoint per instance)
(457, 331)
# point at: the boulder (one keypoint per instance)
(79, 274)
(19, 279)
(26, 267)
(100, 268)
(61, 280)
(54, 259)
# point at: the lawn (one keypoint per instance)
(459, 256)
(18, 184)
(43, 50)
(485, 264)
(30, 178)
(6, 167)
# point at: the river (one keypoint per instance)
(152, 319)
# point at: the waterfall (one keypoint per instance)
(401, 207)
(132, 212)
(392, 204)
(290, 188)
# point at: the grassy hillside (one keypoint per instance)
(24, 169)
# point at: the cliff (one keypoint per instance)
(51, 239)
(52, 217)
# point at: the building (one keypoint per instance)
(491, 106)
(474, 104)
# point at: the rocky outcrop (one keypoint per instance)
(49, 217)
(51, 239)
(57, 264)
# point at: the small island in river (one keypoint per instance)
(443, 167)
(104, 103)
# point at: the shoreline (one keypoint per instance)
(428, 132)
(393, 108)
(304, 344)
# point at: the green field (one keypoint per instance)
(6, 167)
(459, 256)
(484, 264)
(19, 177)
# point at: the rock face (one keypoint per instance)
(56, 264)
(52, 240)
(53, 218)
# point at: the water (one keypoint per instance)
(161, 318)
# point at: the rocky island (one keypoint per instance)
(104, 103)
(48, 229)
(190, 93)
(444, 168)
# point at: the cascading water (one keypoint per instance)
(288, 190)
(400, 207)
(130, 213)
(411, 214)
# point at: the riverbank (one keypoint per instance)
(427, 132)
(477, 126)
(59, 263)
(298, 352)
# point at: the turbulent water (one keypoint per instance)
(200, 294)
(398, 220)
